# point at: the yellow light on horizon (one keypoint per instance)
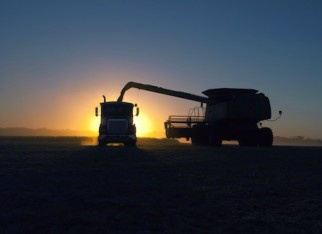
(144, 126)
(94, 124)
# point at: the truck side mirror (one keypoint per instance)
(96, 111)
(137, 111)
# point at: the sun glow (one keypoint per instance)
(144, 126)
(94, 124)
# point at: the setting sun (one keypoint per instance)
(144, 126)
(94, 124)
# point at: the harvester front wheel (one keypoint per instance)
(265, 137)
(214, 139)
(199, 135)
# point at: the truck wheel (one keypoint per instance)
(130, 144)
(265, 137)
(101, 143)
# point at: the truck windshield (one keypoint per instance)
(117, 111)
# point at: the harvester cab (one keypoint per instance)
(117, 125)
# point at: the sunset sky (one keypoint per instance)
(57, 59)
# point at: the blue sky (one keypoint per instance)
(58, 57)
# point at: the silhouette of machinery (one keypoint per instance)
(117, 124)
(230, 114)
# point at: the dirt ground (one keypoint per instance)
(59, 185)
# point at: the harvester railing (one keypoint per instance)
(183, 121)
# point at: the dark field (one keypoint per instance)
(57, 185)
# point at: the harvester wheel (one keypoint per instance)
(199, 135)
(214, 139)
(194, 140)
(265, 137)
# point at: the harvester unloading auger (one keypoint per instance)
(230, 114)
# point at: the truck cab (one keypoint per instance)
(117, 124)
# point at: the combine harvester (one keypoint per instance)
(230, 114)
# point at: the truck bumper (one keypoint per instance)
(116, 139)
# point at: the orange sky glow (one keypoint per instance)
(71, 104)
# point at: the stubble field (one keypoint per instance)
(65, 185)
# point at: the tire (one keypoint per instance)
(265, 137)
(199, 135)
(194, 140)
(130, 144)
(101, 143)
(214, 139)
